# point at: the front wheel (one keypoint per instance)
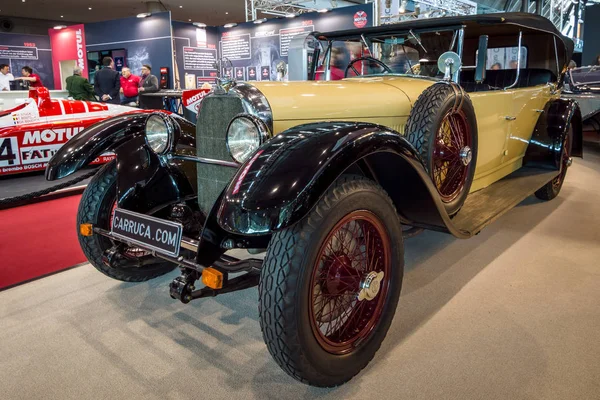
(330, 284)
(96, 207)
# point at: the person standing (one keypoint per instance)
(149, 84)
(129, 86)
(28, 75)
(107, 83)
(5, 77)
(78, 87)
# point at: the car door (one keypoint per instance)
(527, 106)
(491, 110)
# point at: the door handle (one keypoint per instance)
(509, 118)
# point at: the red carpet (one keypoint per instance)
(38, 239)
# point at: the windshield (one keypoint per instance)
(406, 52)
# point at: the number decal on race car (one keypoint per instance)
(9, 152)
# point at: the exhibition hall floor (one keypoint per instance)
(513, 313)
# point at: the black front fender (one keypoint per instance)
(289, 174)
(103, 136)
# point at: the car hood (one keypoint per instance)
(357, 99)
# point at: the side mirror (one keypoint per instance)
(449, 63)
(481, 59)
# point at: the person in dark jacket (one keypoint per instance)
(149, 84)
(107, 82)
(79, 88)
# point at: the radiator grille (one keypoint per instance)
(211, 134)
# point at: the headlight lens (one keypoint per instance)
(157, 133)
(244, 135)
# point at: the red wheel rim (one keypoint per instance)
(451, 155)
(350, 282)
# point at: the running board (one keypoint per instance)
(487, 205)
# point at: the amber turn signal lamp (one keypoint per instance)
(86, 229)
(212, 278)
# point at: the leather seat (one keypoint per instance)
(501, 78)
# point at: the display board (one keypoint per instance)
(19, 50)
(256, 51)
(141, 40)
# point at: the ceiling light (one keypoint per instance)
(180, 6)
(260, 21)
(89, 8)
(60, 27)
(62, 16)
(143, 15)
(290, 15)
(226, 12)
(199, 24)
(190, 20)
(323, 10)
(230, 25)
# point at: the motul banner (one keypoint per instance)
(68, 44)
(191, 99)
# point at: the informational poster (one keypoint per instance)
(235, 47)
(198, 59)
(32, 51)
(286, 35)
(18, 52)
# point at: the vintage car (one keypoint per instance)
(323, 175)
(33, 131)
(583, 85)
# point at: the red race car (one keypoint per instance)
(32, 132)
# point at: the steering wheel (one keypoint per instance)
(366, 58)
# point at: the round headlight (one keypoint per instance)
(157, 133)
(244, 135)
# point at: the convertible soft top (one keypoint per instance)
(479, 24)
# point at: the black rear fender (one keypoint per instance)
(547, 140)
(286, 177)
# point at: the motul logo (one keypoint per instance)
(79, 38)
(195, 98)
(360, 19)
(50, 135)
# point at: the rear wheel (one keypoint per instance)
(330, 284)
(96, 207)
(551, 189)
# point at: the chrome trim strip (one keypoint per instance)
(518, 63)
(203, 160)
(556, 57)
(459, 49)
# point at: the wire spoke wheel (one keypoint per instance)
(451, 155)
(565, 162)
(350, 282)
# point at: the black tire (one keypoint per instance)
(551, 189)
(96, 208)
(428, 114)
(286, 315)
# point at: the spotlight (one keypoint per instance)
(143, 15)
(290, 15)
(58, 27)
(199, 24)
(323, 10)
(230, 25)
(260, 21)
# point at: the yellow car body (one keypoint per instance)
(505, 118)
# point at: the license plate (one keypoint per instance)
(148, 232)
